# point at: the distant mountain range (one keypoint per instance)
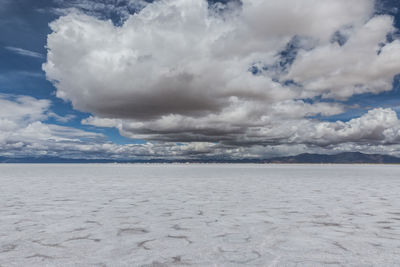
(346, 157)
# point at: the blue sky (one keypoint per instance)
(24, 25)
(24, 28)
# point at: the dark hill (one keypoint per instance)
(346, 157)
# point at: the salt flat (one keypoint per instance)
(200, 215)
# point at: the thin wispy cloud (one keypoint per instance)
(24, 52)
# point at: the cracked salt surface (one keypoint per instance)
(201, 215)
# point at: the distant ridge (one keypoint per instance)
(342, 158)
(346, 157)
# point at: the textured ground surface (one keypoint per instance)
(201, 215)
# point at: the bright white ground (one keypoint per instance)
(201, 215)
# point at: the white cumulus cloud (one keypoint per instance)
(184, 71)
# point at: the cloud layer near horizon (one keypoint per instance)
(254, 74)
(23, 132)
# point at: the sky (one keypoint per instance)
(197, 79)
